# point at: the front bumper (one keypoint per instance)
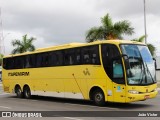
(138, 97)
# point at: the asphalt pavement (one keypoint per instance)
(65, 109)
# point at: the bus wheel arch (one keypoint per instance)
(18, 91)
(26, 91)
(96, 94)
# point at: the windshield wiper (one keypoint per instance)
(149, 71)
(145, 73)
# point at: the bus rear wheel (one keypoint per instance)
(18, 92)
(98, 97)
(27, 92)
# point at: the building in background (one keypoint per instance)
(158, 68)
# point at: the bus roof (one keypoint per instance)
(72, 45)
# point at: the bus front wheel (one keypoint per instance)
(18, 92)
(98, 97)
(27, 92)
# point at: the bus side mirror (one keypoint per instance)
(155, 63)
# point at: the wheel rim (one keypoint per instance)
(27, 93)
(98, 97)
(18, 92)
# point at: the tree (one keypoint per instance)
(140, 39)
(24, 45)
(109, 30)
(1, 57)
(151, 47)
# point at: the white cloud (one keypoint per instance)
(55, 22)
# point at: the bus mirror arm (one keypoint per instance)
(155, 63)
(125, 56)
(154, 59)
(120, 56)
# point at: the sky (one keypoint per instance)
(56, 22)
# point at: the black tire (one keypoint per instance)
(18, 92)
(27, 92)
(98, 97)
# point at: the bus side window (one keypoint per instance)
(5, 63)
(16, 62)
(44, 62)
(58, 58)
(78, 58)
(19, 62)
(38, 60)
(9, 63)
(46, 59)
(86, 58)
(52, 59)
(91, 55)
(95, 55)
(27, 65)
(32, 61)
(86, 55)
(69, 57)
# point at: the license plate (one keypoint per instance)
(146, 96)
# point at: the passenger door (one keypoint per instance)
(118, 81)
(112, 63)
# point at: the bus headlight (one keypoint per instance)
(133, 91)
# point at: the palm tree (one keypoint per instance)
(1, 57)
(109, 30)
(24, 45)
(151, 47)
(140, 39)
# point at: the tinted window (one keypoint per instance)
(69, 57)
(90, 55)
(42, 59)
(8, 63)
(55, 58)
(18, 62)
(112, 62)
(72, 56)
(32, 61)
(78, 56)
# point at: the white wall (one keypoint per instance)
(158, 75)
(158, 68)
(158, 62)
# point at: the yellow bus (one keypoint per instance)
(102, 71)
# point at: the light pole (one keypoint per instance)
(145, 28)
(3, 41)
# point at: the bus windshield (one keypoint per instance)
(140, 67)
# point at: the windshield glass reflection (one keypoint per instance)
(139, 64)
